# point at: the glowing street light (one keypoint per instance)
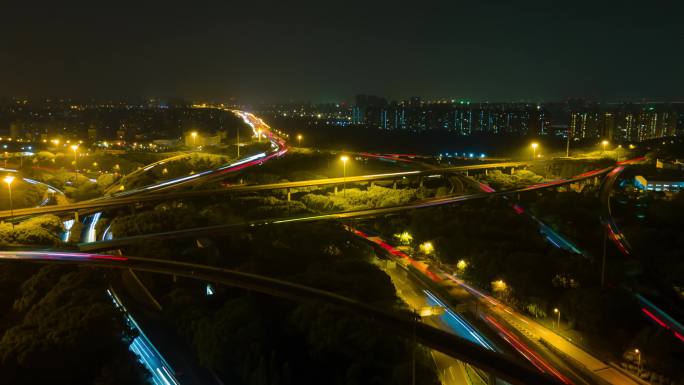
(461, 265)
(427, 248)
(617, 150)
(9, 179)
(499, 286)
(558, 321)
(299, 140)
(344, 160)
(405, 238)
(604, 143)
(534, 146)
(74, 147)
(259, 135)
(194, 138)
(638, 353)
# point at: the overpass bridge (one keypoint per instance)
(154, 196)
(404, 325)
(352, 214)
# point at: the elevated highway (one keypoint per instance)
(658, 302)
(408, 327)
(366, 213)
(143, 195)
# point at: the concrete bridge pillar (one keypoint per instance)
(335, 190)
(512, 170)
(76, 217)
(421, 182)
(486, 171)
(289, 195)
(394, 185)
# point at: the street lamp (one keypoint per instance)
(557, 322)
(604, 144)
(75, 148)
(9, 179)
(405, 237)
(534, 149)
(194, 138)
(344, 160)
(259, 135)
(299, 140)
(427, 248)
(461, 265)
(638, 353)
(499, 286)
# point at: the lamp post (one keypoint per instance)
(604, 143)
(558, 321)
(299, 140)
(259, 135)
(9, 179)
(534, 150)
(344, 160)
(75, 148)
(237, 141)
(638, 353)
(194, 138)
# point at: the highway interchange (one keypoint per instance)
(434, 337)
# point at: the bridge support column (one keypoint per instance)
(512, 170)
(394, 185)
(335, 190)
(289, 195)
(466, 172)
(486, 171)
(421, 182)
(76, 217)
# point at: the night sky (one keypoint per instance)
(331, 50)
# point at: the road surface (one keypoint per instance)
(151, 193)
(392, 322)
(528, 327)
(161, 372)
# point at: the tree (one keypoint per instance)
(42, 230)
(69, 332)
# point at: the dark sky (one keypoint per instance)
(331, 50)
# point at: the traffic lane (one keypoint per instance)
(593, 364)
(448, 367)
(449, 321)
